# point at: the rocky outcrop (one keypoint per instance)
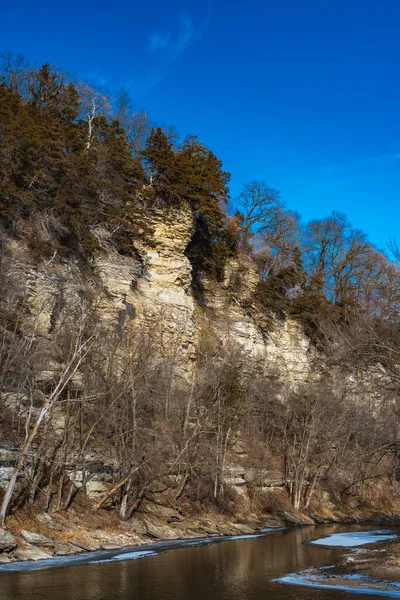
(37, 539)
(7, 541)
(31, 553)
(276, 346)
(163, 296)
(153, 288)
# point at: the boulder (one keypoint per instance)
(66, 549)
(297, 519)
(96, 489)
(87, 547)
(32, 553)
(47, 520)
(165, 513)
(110, 546)
(193, 533)
(7, 541)
(208, 527)
(37, 539)
(243, 529)
(226, 529)
(4, 559)
(137, 526)
(268, 521)
(159, 532)
(5, 476)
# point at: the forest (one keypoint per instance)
(81, 173)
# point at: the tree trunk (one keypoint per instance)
(115, 488)
(65, 377)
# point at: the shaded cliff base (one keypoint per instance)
(33, 534)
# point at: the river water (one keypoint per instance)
(240, 569)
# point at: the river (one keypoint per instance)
(240, 569)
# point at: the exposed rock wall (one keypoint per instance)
(155, 291)
(163, 297)
(279, 347)
(152, 289)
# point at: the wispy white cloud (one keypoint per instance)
(176, 44)
(158, 41)
(167, 46)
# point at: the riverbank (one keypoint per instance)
(39, 536)
(42, 536)
(361, 570)
(129, 553)
(220, 567)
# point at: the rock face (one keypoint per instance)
(37, 539)
(32, 554)
(163, 296)
(8, 543)
(153, 289)
(150, 290)
(278, 347)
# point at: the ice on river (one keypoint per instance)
(354, 538)
(124, 556)
(364, 584)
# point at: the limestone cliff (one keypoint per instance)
(154, 290)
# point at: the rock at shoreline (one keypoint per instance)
(66, 549)
(165, 513)
(225, 529)
(37, 539)
(8, 543)
(138, 526)
(87, 547)
(297, 519)
(208, 527)
(243, 529)
(4, 559)
(161, 532)
(32, 554)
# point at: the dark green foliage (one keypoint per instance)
(53, 189)
(192, 175)
(71, 182)
(162, 169)
(206, 190)
(279, 289)
(274, 291)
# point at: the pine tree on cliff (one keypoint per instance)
(161, 166)
(56, 188)
(193, 174)
(206, 188)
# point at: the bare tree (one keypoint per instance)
(134, 121)
(79, 350)
(261, 209)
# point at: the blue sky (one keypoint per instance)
(302, 93)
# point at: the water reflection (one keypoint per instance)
(234, 570)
